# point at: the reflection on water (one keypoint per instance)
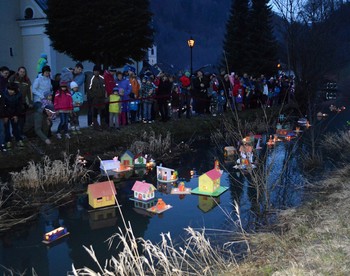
(23, 249)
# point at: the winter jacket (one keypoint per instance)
(109, 82)
(147, 91)
(114, 104)
(134, 105)
(126, 85)
(164, 90)
(135, 86)
(41, 85)
(12, 104)
(41, 63)
(63, 101)
(96, 92)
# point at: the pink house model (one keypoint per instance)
(143, 191)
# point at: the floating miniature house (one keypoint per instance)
(209, 183)
(101, 194)
(127, 159)
(166, 174)
(108, 166)
(140, 161)
(55, 235)
(143, 191)
(181, 189)
(160, 207)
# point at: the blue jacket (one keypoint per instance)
(40, 86)
(78, 100)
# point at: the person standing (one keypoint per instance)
(63, 104)
(96, 96)
(79, 76)
(185, 95)
(78, 100)
(12, 100)
(24, 84)
(4, 76)
(163, 96)
(123, 84)
(41, 86)
(147, 93)
(114, 108)
(42, 62)
(200, 87)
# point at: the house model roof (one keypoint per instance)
(213, 174)
(101, 189)
(142, 187)
(128, 152)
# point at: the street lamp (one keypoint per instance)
(190, 43)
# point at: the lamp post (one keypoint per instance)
(190, 43)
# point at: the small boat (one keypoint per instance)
(55, 235)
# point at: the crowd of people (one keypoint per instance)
(115, 98)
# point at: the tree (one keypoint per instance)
(104, 32)
(262, 46)
(236, 40)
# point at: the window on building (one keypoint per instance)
(28, 13)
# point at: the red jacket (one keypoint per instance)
(63, 101)
(109, 82)
(185, 81)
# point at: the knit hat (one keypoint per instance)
(43, 55)
(116, 89)
(187, 74)
(73, 84)
(63, 83)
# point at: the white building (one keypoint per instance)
(23, 39)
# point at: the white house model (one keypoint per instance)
(143, 191)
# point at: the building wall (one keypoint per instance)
(10, 37)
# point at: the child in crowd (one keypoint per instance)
(147, 92)
(239, 99)
(63, 104)
(214, 103)
(221, 102)
(133, 107)
(49, 112)
(77, 98)
(114, 108)
(12, 109)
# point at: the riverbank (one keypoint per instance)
(311, 240)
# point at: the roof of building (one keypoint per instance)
(143, 187)
(213, 174)
(127, 152)
(42, 4)
(101, 189)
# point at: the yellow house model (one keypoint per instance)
(101, 194)
(210, 181)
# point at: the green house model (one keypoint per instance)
(127, 159)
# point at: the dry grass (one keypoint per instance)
(49, 175)
(149, 142)
(313, 240)
(337, 146)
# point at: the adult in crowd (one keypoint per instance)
(41, 87)
(96, 97)
(109, 76)
(4, 76)
(42, 61)
(163, 96)
(124, 85)
(185, 94)
(21, 79)
(79, 76)
(200, 87)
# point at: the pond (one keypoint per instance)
(22, 250)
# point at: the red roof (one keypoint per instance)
(213, 174)
(143, 187)
(102, 189)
